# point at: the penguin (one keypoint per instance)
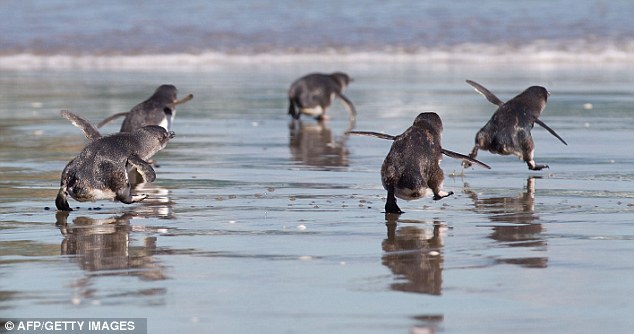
(411, 169)
(100, 170)
(509, 129)
(312, 94)
(159, 109)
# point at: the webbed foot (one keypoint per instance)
(440, 195)
(60, 201)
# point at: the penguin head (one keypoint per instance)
(165, 94)
(342, 78)
(533, 98)
(154, 139)
(537, 92)
(429, 119)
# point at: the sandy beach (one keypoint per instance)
(258, 225)
(250, 228)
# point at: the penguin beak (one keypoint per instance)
(172, 134)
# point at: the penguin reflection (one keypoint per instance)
(413, 253)
(315, 145)
(158, 204)
(518, 215)
(104, 245)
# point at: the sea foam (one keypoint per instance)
(536, 53)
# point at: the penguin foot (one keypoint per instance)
(537, 167)
(442, 195)
(61, 203)
(392, 207)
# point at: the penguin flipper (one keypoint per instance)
(371, 134)
(88, 129)
(352, 111)
(465, 158)
(486, 93)
(111, 118)
(181, 101)
(552, 132)
(143, 167)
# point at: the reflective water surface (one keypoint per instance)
(256, 224)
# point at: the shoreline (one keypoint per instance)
(467, 55)
(237, 206)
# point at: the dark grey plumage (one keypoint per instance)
(509, 129)
(411, 169)
(313, 94)
(153, 111)
(159, 109)
(100, 170)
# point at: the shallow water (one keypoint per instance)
(159, 27)
(201, 34)
(250, 228)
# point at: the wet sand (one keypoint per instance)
(253, 228)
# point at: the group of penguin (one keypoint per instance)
(104, 168)
(411, 170)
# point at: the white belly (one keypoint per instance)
(316, 111)
(165, 124)
(411, 194)
(92, 195)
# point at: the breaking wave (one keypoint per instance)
(538, 52)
